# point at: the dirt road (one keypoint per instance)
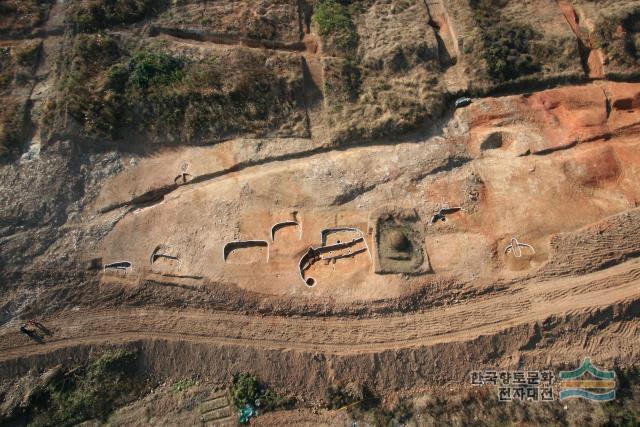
(523, 304)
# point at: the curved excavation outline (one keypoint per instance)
(154, 258)
(515, 246)
(242, 244)
(314, 255)
(158, 254)
(281, 225)
(182, 179)
(326, 231)
(119, 265)
(443, 212)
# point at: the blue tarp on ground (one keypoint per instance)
(247, 413)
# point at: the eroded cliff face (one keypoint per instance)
(176, 175)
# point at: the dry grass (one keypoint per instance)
(619, 37)
(17, 63)
(86, 16)
(12, 124)
(391, 82)
(20, 16)
(180, 97)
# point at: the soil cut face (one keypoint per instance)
(284, 188)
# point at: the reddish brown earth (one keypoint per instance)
(567, 166)
(401, 302)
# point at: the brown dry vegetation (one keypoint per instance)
(22, 16)
(12, 123)
(87, 16)
(172, 97)
(17, 62)
(619, 36)
(375, 87)
(508, 43)
(145, 138)
(274, 20)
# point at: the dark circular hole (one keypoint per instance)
(398, 241)
(492, 142)
(311, 281)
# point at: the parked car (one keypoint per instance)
(463, 102)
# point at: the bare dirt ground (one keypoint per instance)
(401, 257)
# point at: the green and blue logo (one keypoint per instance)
(588, 382)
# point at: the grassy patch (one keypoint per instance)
(507, 46)
(88, 16)
(5, 79)
(619, 37)
(12, 124)
(343, 80)
(91, 56)
(148, 68)
(17, 62)
(26, 55)
(183, 385)
(247, 389)
(334, 22)
(169, 97)
(88, 391)
(343, 74)
(363, 405)
(21, 15)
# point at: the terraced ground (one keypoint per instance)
(525, 304)
(174, 174)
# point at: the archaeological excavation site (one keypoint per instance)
(320, 212)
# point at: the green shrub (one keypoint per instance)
(88, 391)
(91, 16)
(244, 390)
(27, 54)
(154, 68)
(12, 125)
(183, 385)
(334, 20)
(507, 48)
(622, 47)
(247, 389)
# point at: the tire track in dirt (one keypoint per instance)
(462, 322)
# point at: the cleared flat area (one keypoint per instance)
(531, 302)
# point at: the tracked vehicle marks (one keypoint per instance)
(529, 302)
